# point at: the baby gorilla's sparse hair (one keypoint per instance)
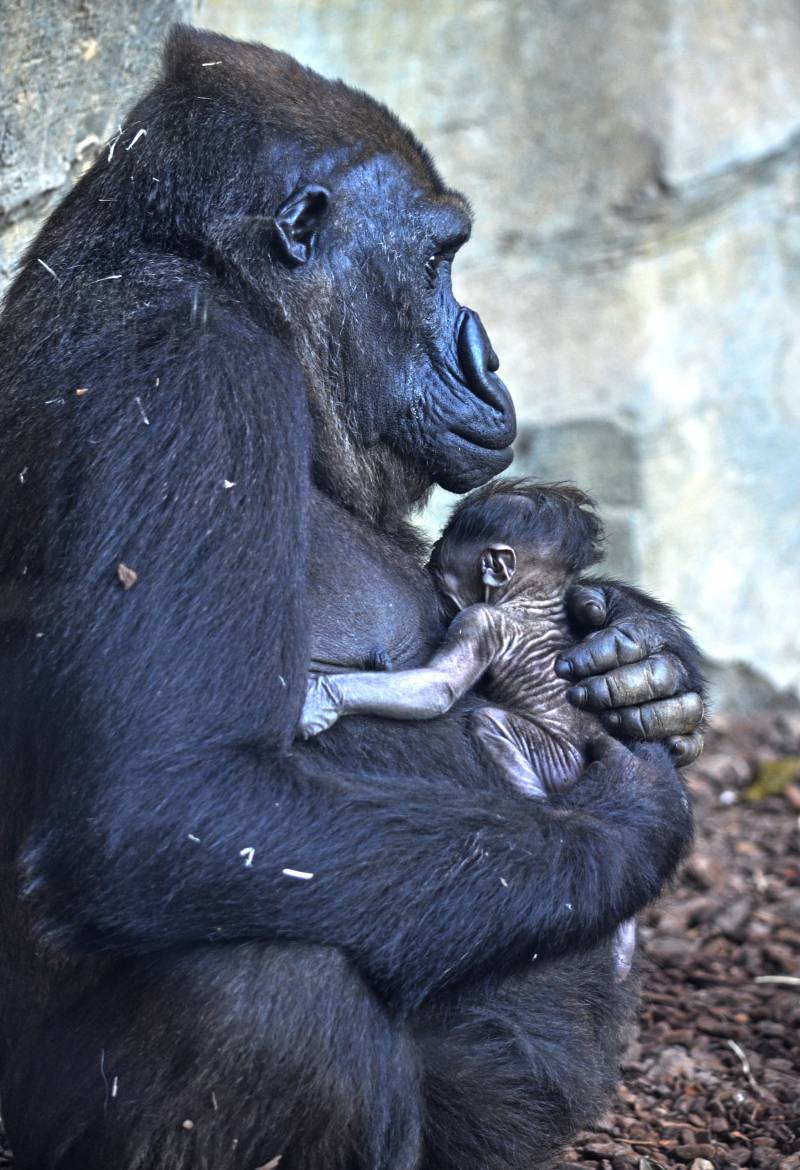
(557, 521)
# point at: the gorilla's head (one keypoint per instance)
(326, 213)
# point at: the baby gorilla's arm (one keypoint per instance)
(421, 693)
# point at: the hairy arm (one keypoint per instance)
(422, 693)
(167, 804)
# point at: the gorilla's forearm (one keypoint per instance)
(421, 886)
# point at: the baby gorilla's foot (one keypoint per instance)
(495, 733)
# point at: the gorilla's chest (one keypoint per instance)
(370, 602)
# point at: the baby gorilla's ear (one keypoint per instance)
(498, 563)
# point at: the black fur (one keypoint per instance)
(178, 399)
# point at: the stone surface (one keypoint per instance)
(635, 172)
(70, 68)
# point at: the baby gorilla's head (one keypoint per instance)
(514, 535)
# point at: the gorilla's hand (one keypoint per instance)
(637, 668)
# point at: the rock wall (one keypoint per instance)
(69, 69)
(635, 171)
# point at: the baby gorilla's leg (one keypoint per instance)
(494, 731)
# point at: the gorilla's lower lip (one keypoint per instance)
(471, 465)
(487, 442)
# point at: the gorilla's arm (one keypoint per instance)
(637, 668)
(420, 887)
(173, 809)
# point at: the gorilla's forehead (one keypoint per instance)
(397, 184)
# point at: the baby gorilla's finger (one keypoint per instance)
(677, 716)
(658, 677)
(601, 651)
(587, 607)
(685, 749)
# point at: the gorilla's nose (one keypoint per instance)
(474, 347)
(478, 363)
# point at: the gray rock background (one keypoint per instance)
(68, 69)
(635, 171)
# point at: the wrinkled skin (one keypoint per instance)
(635, 669)
(306, 375)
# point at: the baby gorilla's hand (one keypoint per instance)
(322, 706)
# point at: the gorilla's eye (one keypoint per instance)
(432, 268)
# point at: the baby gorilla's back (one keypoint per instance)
(535, 735)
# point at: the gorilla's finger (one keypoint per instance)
(587, 607)
(685, 749)
(658, 677)
(677, 716)
(601, 651)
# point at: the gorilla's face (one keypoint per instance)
(367, 252)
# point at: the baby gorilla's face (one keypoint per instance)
(456, 569)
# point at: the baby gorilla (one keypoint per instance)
(505, 562)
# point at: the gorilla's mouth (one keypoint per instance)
(478, 441)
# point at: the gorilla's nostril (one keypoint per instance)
(475, 351)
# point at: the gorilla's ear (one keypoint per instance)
(498, 563)
(296, 223)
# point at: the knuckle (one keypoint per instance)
(693, 709)
(628, 646)
(633, 723)
(661, 676)
(601, 690)
(652, 722)
(632, 686)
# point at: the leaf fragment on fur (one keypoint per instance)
(126, 576)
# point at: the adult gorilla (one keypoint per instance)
(232, 363)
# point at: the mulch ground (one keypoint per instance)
(712, 1080)
(713, 1077)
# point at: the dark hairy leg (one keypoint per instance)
(220, 1059)
(513, 1070)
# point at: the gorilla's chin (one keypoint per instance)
(465, 465)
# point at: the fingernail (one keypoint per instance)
(577, 694)
(563, 668)
(613, 720)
